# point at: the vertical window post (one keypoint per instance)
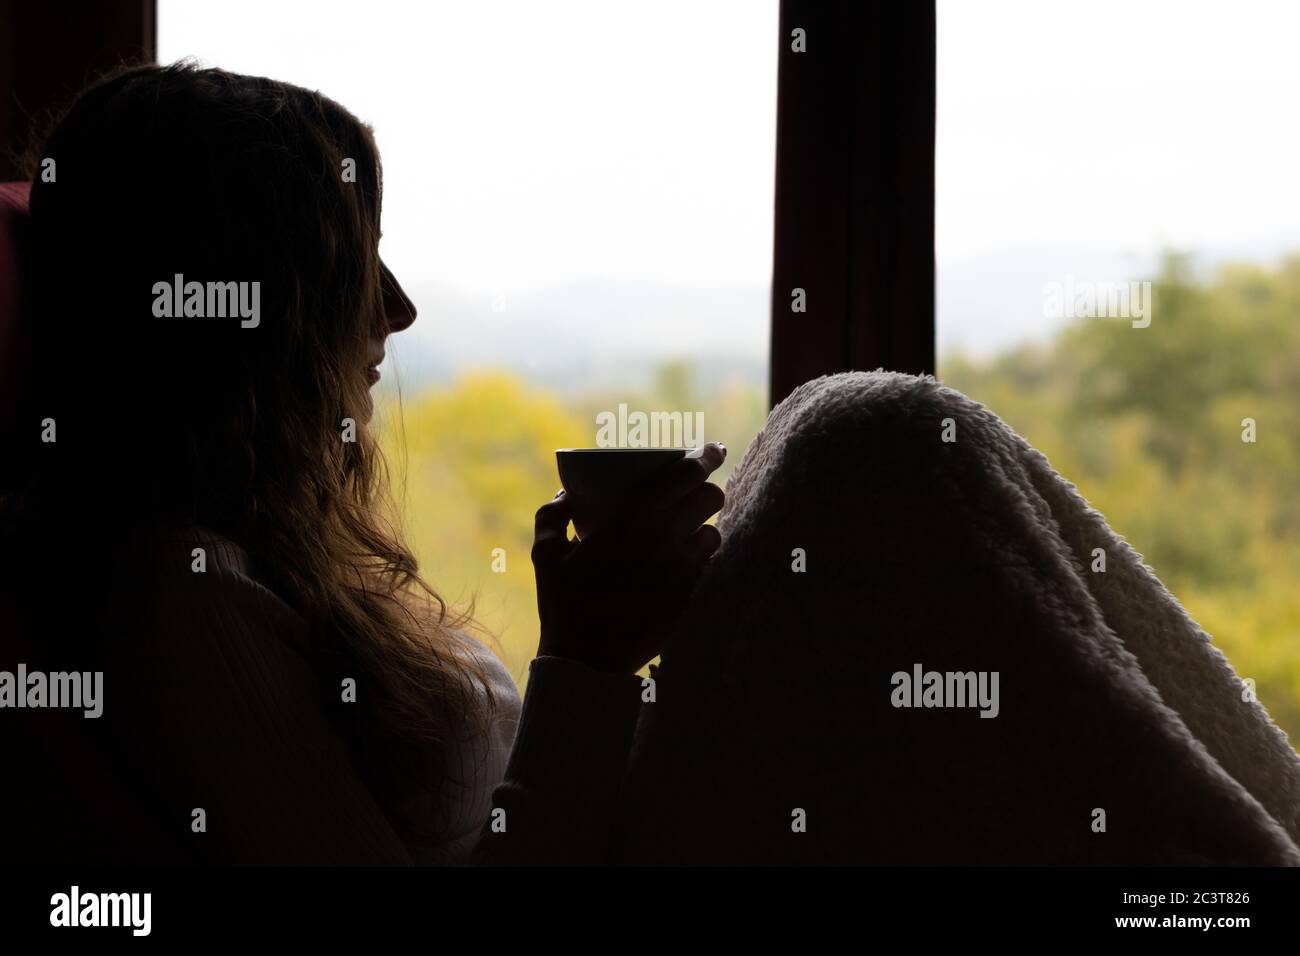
(853, 270)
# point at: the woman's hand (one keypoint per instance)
(607, 601)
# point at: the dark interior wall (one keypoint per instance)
(854, 190)
(50, 49)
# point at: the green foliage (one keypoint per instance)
(478, 460)
(1148, 424)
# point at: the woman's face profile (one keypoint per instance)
(398, 313)
(260, 166)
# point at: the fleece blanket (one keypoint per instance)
(918, 644)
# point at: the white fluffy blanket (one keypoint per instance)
(1121, 735)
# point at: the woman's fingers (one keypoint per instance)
(696, 507)
(701, 545)
(660, 535)
(679, 479)
(551, 530)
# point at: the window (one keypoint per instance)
(1118, 243)
(578, 198)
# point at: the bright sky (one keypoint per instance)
(1123, 124)
(529, 143)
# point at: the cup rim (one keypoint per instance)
(562, 450)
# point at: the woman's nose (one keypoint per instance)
(399, 310)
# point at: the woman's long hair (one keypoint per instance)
(257, 431)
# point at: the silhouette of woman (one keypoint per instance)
(210, 525)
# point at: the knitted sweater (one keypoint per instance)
(215, 694)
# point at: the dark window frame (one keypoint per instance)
(44, 63)
(854, 223)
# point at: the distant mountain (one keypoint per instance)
(604, 332)
(992, 302)
(586, 334)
